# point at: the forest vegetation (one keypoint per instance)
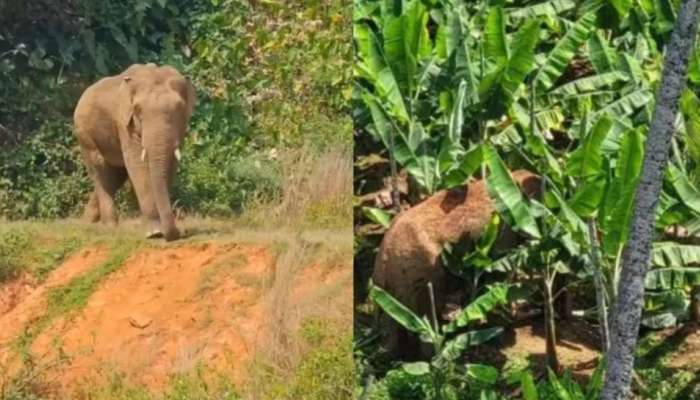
(446, 92)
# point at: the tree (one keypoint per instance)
(628, 309)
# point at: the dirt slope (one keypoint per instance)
(168, 309)
(23, 302)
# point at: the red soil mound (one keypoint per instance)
(23, 302)
(163, 312)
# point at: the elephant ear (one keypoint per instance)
(184, 88)
(128, 113)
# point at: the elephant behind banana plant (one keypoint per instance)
(131, 126)
(409, 255)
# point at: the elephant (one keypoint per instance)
(409, 254)
(131, 126)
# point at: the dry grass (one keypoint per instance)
(280, 347)
(299, 330)
(316, 191)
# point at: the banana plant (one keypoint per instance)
(605, 199)
(562, 388)
(449, 340)
(396, 63)
(471, 263)
(424, 96)
(674, 272)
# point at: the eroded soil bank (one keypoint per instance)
(164, 311)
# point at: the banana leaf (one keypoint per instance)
(589, 84)
(373, 67)
(547, 8)
(508, 199)
(687, 192)
(495, 296)
(602, 56)
(620, 197)
(587, 160)
(496, 48)
(400, 313)
(558, 59)
(406, 43)
(622, 7)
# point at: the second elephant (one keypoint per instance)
(409, 255)
(131, 126)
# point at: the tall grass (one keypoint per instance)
(315, 191)
(306, 352)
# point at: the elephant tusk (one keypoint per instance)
(143, 155)
(177, 154)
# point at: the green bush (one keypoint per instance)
(12, 244)
(216, 182)
(44, 177)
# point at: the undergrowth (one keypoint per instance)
(25, 250)
(324, 372)
(658, 380)
(200, 383)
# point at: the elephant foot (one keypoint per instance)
(154, 234)
(111, 224)
(171, 235)
(91, 218)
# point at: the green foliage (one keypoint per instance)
(325, 371)
(563, 387)
(661, 381)
(398, 384)
(444, 377)
(44, 177)
(564, 89)
(218, 192)
(198, 383)
(509, 200)
(24, 250)
(12, 246)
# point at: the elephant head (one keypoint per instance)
(155, 107)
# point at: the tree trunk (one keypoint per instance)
(550, 328)
(565, 306)
(599, 283)
(628, 308)
(695, 304)
(395, 196)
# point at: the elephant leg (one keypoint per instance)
(108, 180)
(149, 213)
(92, 208)
(144, 194)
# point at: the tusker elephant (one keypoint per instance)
(131, 126)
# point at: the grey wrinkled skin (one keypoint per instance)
(628, 309)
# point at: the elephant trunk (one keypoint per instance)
(161, 167)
